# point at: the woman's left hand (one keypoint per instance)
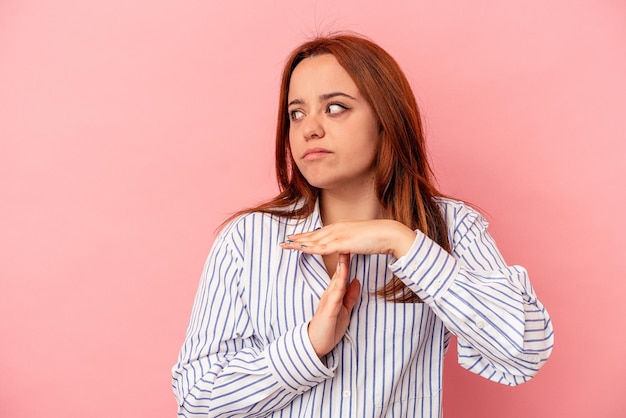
(378, 236)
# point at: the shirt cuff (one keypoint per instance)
(427, 269)
(293, 361)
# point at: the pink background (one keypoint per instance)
(131, 128)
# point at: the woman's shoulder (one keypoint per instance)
(450, 203)
(255, 224)
(458, 213)
(247, 222)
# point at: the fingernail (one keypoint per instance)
(288, 241)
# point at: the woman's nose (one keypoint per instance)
(313, 129)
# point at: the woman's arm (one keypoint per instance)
(504, 333)
(223, 367)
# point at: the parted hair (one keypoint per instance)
(404, 180)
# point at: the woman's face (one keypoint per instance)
(333, 133)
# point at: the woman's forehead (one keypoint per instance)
(319, 75)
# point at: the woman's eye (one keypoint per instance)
(335, 108)
(296, 114)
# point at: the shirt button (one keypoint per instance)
(480, 325)
(346, 393)
(413, 267)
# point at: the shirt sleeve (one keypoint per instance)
(503, 332)
(223, 368)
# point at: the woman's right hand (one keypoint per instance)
(332, 317)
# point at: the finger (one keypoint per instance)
(323, 235)
(327, 240)
(320, 241)
(309, 234)
(338, 283)
(352, 294)
(342, 273)
(333, 296)
(340, 278)
(308, 247)
(344, 259)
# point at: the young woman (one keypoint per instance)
(338, 297)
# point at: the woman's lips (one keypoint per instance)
(315, 153)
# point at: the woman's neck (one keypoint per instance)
(348, 207)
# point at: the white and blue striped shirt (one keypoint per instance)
(247, 352)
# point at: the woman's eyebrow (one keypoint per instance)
(295, 102)
(323, 98)
(327, 96)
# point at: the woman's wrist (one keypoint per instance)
(401, 239)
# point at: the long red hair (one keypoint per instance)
(404, 179)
